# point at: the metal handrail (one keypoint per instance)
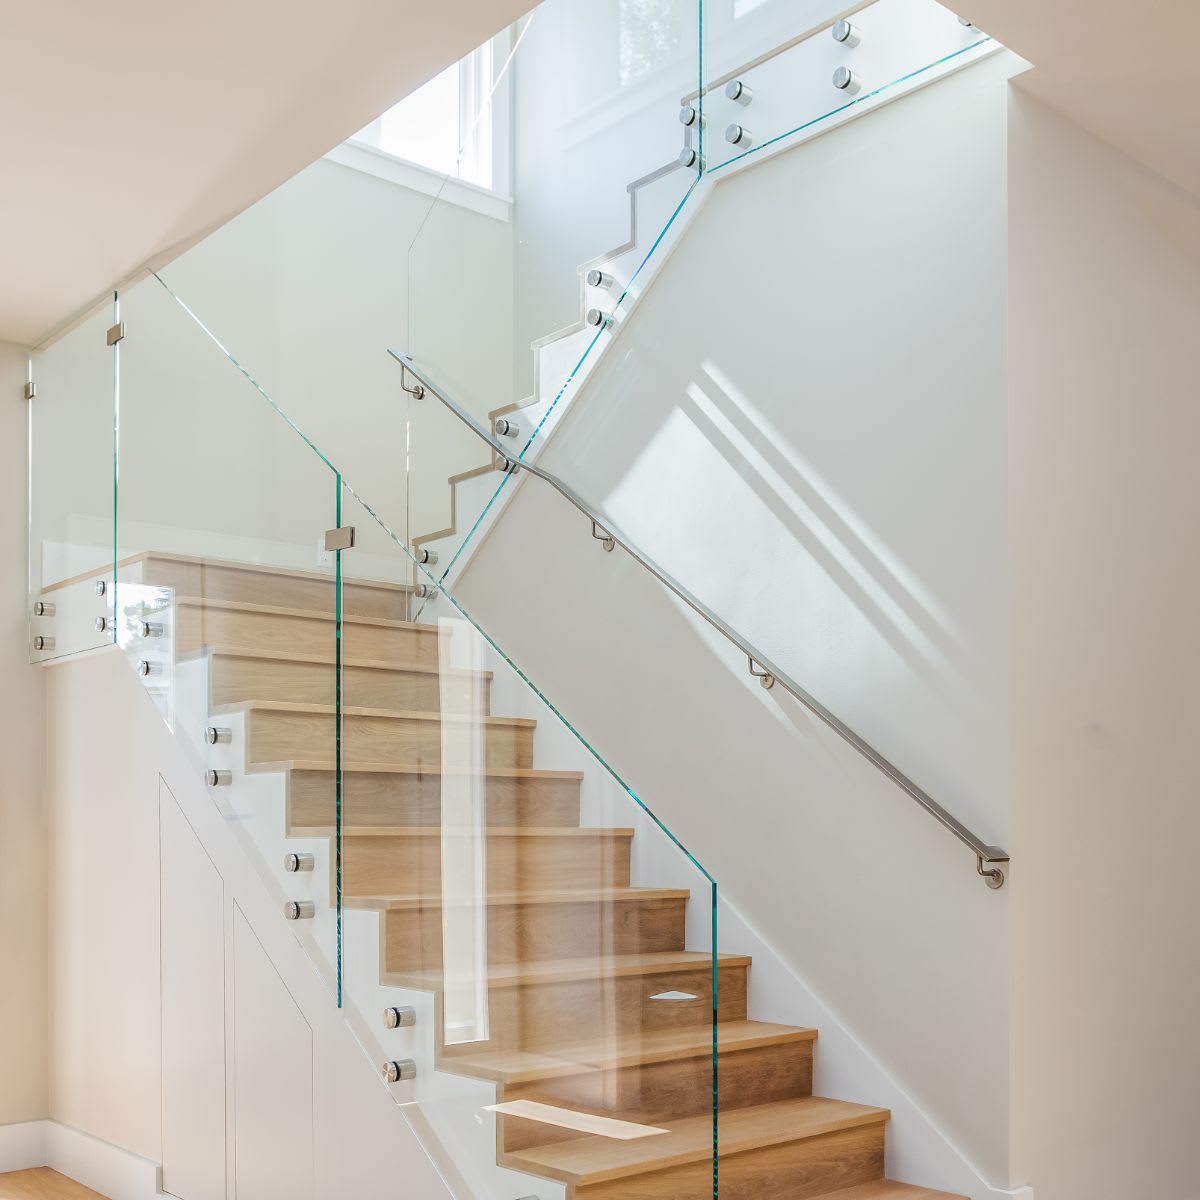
(760, 665)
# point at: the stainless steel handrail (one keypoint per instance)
(766, 671)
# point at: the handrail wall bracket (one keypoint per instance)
(993, 876)
(761, 667)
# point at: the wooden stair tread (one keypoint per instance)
(230, 564)
(315, 764)
(628, 1050)
(562, 970)
(888, 1189)
(216, 649)
(391, 714)
(561, 896)
(224, 564)
(593, 1159)
(569, 1051)
(437, 831)
(314, 614)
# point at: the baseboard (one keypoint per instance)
(23, 1145)
(105, 1168)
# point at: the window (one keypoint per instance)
(652, 33)
(448, 125)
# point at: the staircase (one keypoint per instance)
(600, 1039)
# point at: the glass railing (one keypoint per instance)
(71, 495)
(553, 943)
(588, 97)
(773, 75)
(564, 167)
(768, 78)
(271, 519)
(524, 952)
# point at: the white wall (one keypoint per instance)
(825, 473)
(1104, 308)
(585, 129)
(307, 289)
(104, 916)
(300, 1105)
(810, 432)
(311, 286)
(581, 137)
(23, 833)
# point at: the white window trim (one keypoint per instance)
(370, 160)
(496, 201)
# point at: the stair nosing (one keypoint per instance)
(260, 568)
(312, 614)
(105, 569)
(516, 773)
(523, 831)
(384, 714)
(610, 1056)
(613, 966)
(617, 895)
(856, 1116)
(893, 1190)
(217, 650)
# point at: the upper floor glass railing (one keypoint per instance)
(768, 79)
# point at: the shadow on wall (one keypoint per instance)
(856, 560)
(816, 448)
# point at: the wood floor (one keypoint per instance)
(41, 1183)
(599, 1042)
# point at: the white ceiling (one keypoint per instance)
(1123, 69)
(132, 129)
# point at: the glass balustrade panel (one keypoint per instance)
(227, 600)
(776, 72)
(539, 947)
(71, 487)
(520, 274)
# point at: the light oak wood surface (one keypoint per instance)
(41, 1183)
(592, 1160)
(382, 859)
(251, 583)
(636, 1049)
(366, 683)
(887, 1189)
(279, 731)
(306, 632)
(597, 1010)
(530, 925)
(390, 794)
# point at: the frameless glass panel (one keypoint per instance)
(227, 598)
(306, 289)
(776, 71)
(514, 294)
(71, 489)
(505, 889)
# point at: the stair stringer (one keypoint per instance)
(445, 1110)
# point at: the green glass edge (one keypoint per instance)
(116, 461)
(534, 434)
(337, 739)
(344, 489)
(841, 108)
